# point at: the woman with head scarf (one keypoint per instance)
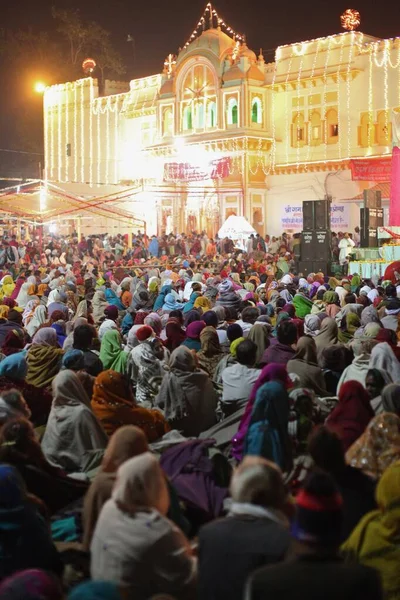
(38, 319)
(43, 358)
(272, 372)
(193, 332)
(23, 298)
(389, 336)
(19, 447)
(211, 353)
(160, 300)
(332, 304)
(302, 303)
(267, 433)
(383, 358)
(374, 542)
(327, 335)
(187, 395)
(260, 335)
(203, 303)
(174, 333)
(111, 354)
(112, 299)
(144, 543)
(374, 384)
(14, 342)
(153, 320)
(349, 325)
(7, 287)
(391, 398)
(128, 441)
(114, 405)
(72, 431)
(96, 590)
(304, 364)
(26, 541)
(171, 304)
(18, 285)
(31, 584)
(99, 303)
(312, 325)
(28, 312)
(13, 370)
(227, 296)
(352, 414)
(145, 366)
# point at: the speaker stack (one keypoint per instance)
(371, 217)
(316, 237)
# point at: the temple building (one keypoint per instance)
(222, 132)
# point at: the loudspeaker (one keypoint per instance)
(322, 245)
(305, 268)
(308, 215)
(371, 217)
(322, 266)
(369, 238)
(307, 245)
(322, 214)
(372, 199)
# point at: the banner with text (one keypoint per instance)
(292, 217)
(216, 169)
(371, 169)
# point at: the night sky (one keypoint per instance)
(161, 27)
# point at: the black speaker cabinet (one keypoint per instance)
(308, 215)
(372, 199)
(305, 267)
(371, 217)
(322, 214)
(322, 266)
(307, 245)
(369, 238)
(322, 244)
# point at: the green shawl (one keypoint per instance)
(352, 324)
(302, 305)
(111, 354)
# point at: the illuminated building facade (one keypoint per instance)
(221, 132)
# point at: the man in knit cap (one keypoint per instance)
(316, 569)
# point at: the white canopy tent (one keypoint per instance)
(237, 229)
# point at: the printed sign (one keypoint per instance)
(377, 169)
(217, 169)
(292, 217)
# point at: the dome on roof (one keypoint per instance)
(214, 40)
(247, 53)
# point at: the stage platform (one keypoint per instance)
(374, 261)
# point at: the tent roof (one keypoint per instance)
(236, 227)
(42, 202)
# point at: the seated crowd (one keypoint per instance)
(201, 431)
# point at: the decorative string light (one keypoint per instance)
(209, 15)
(51, 135)
(316, 54)
(298, 105)
(67, 138)
(325, 79)
(116, 139)
(75, 148)
(107, 147)
(386, 90)
(59, 135)
(338, 75)
(287, 128)
(350, 19)
(46, 134)
(370, 100)
(348, 81)
(91, 98)
(82, 124)
(98, 133)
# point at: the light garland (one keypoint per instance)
(348, 74)
(107, 147)
(316, 54)
(370, 99)
(210, 14)
(82, 124)
(325, 86)
(91, 97)
(59, 135)
(66, 135)
(46, 135)
(339, 97)
(51, 135)
(287, 128)
(75, 149)
(298, 107)
(98, 132)
(386, 90)
(116, 139)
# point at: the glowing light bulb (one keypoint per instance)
(40, 87)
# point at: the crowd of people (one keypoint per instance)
(200, 422)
